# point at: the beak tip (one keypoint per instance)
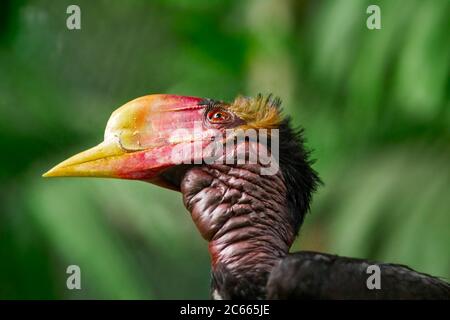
(49, 174)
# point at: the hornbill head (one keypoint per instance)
(157, 138)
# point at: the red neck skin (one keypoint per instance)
(244, 217)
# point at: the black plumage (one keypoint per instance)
(312, 275)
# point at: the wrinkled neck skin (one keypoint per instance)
(244, 217)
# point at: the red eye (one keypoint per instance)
(218, 116)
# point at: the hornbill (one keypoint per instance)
(249, 216)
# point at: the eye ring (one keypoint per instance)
(218, 116)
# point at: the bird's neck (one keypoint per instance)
(245, 218)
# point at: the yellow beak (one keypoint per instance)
(98, 161)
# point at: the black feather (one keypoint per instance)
(312, 275)
(296, 166)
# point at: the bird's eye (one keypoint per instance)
(218, 116)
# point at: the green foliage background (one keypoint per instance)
(375, 105)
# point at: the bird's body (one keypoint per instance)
(248, 212)
(312, 275)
